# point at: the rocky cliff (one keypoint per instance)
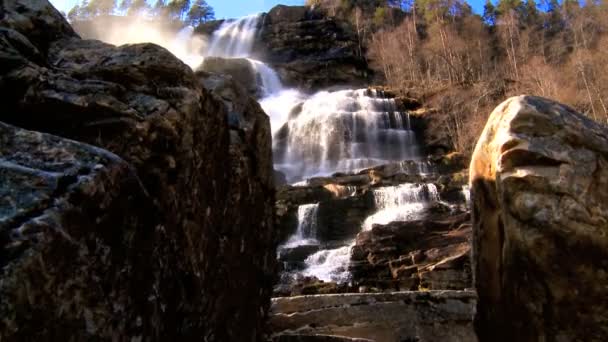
(310, 49)
(164, 229)
(539, 178)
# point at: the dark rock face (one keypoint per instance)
(76, 231)
(310, 50)
(539, 179)
(194, 256)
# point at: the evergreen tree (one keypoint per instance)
(531, 15)
(177, 8)
(200, 12)
(74, 13)
(505, 6)
(125, 5)
(102, 7)
(137, 7)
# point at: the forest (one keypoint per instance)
(463, 64)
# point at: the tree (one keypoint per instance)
(160, 9)
(102, 7)
(125, 5)
(74, 13)
(531, 16)
(137, 7)
(177, 8)
(199, 13)
(506, 6)
(489, 13)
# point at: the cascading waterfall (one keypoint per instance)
(234, 39)
(344, 130)
(328, 132)
(329, 264)
(307, 227)
(404, 202)
(394, 203)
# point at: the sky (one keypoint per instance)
(223, 8)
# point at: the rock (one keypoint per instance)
(432, 253)
(204, 163)
(310, 50)
(316, 338)
(391, 317)
(539, 176)
(76, 227)
(298, 253)
(239, 69)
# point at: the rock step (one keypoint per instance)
(382, 317)
(317, 338)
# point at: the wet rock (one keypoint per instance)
(432, 253)
(391, 317)
(203, 161)
(539, 179)
(239, 69)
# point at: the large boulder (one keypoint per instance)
(239, 69)
(539, 176)
(206, 258)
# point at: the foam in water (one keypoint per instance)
(234, 39)
(345, 130)
(307, 227)
(329, 264)
(400, 203)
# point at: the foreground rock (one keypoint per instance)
(186, 252)
(539, 176)
(389, 317)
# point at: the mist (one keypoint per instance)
(132, 30)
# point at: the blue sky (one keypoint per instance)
(223, 8)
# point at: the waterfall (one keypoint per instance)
(234, 39)
(345, 130)
(307, 227)
(329, 264)
(268, 79)
(401, 203)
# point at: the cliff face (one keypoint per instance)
(167, 236)
(311, 50)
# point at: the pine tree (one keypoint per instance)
(178, 8)
(102, 7)
(200, 12)
(125, 5)
(505, 6)
(137, 7)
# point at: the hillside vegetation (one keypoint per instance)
(463, 64)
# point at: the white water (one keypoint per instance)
(234, 39)
(343, 131)
(306, 232)
(329, 264)
(404, 202)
